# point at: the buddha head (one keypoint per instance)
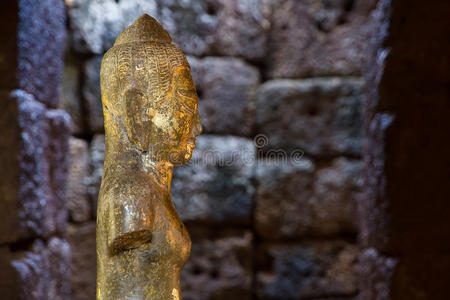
(148, 94)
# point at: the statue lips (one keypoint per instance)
(191, 141)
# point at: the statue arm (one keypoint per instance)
(130, 240)
(130, 226)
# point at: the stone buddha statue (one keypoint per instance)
(151, 121)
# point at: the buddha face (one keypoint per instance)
(167, 130)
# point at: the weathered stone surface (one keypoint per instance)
(231, 28)
(70, 96)
(219, 269)
(406, 208)
(376, 273)
(97, 157)
(319, 116)
(226, 103)
(317, 38)
(96, 24)
(40, 273)
(92, 95)
(192, 24)
(294, 200)
(199, 27)
(216, 185)
(31, 56)
(82, 241)
(77, 191)
(419, 276)
(35, 166)
(309, 271)
(56, 149)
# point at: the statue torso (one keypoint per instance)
(151, 268)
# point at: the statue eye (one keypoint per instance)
(188, 93)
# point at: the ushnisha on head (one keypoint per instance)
(148, 93)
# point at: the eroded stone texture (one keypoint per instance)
(215, 186)
(226, 88)
(82, 241)
(35, 165)
(70, 95)
(77, 197)
(91, 94)
(219, 268)
(311, 270)
(294, 200)
(96, 24)
(318, 38)
(31, 56)
(43, 272)
(319, 116)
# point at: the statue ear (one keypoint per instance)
(137, 120)
(182, 76)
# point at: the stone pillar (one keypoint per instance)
(35, 258)
(405, 215)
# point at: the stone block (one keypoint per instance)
(43, 272)
(70, 96)
(31, 59)
(317, 38)
(97, 158)
(294, 200)
(81, 238)
(77, 190)
(321, 116)
(219, 268)
(92, 95)
(226, 103)
(35, 167)
(216, 185)
(199, 27)
(56, 152)
(228, 28)
(409, 277)
(96, 24)
(312, 270)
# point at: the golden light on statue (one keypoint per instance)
(151, 117)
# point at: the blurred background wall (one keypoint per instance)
(280, 93)
(34, 134)
(271, 194)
